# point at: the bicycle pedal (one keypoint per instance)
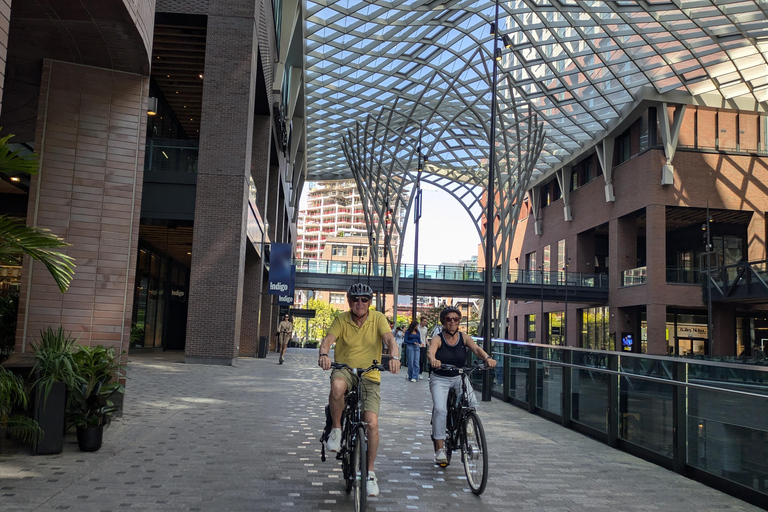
(443, 464)
(338, 456)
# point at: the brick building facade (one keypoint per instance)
(643, 221)
(170, 249)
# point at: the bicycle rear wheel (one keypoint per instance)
(360, 469)
(474, 453)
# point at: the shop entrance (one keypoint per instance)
(690, 346)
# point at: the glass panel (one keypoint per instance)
(549, 381)
(518, 373)
(728, 434)
(589, 390)
(645, 407)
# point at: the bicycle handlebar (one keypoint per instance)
(360, 371)
(475, 366)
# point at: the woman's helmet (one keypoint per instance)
(359, 290)
(450, 309)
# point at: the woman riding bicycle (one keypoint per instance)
(449, 347)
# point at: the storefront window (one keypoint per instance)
(594, 329)
(556, 332)
(530, 321)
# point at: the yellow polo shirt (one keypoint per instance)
(359, 346)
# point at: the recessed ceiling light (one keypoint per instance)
(200, 75)
(15, 178)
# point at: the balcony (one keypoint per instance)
(634, 276)
(169, 155)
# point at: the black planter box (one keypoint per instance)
(49, 414)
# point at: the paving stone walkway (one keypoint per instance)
(245, 438)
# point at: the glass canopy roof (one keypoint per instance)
(579, 65)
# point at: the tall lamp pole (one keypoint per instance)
(489, 215)
(709, 286)
(416, 217)
(387, 214)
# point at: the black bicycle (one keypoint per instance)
(353, 453)
(464, 431)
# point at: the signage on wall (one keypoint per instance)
(286, 299)
(691, 331)
(279, 269)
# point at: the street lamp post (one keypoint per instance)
(565, 311)
(709, 285)
(489, 214)
(541, 320)
(387, 214)
(416, 217)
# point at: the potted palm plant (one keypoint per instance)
(54, 372)
(13, 398)
(91, 403)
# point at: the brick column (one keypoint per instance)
(249, 332)
(90, 138)
(218, 254)
(256, 288)
(266, 327)
(724, 330)
(656, 262)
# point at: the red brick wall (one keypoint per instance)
(723, 181)
(90, 137)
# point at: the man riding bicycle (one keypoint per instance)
(450, 346)
(358, 335)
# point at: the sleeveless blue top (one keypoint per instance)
(447, 354)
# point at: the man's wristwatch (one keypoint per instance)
(395, 357)
(487, 358)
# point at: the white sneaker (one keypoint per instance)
(440, 457)
(372, 485)
(413, 380)
(333, 444)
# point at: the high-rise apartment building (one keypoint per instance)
(334, 209)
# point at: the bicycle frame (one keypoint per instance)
(464, 431)
(353, 452)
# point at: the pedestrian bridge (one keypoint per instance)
(453, 281)
(245, 437)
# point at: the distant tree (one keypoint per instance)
(318, 326)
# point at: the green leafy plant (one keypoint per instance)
(12, 398)
(90, 403)
(18, 239)
(54, 360)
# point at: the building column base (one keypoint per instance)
(222, 361)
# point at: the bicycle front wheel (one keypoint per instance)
(360, 463)
(474, 453)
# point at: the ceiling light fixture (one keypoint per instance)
(152, 106)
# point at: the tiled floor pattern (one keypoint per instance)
(214, 438)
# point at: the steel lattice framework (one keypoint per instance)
(383, 154)
(579, 65)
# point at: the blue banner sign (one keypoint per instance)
(286, 299)
(280, 270)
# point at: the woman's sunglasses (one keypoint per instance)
(453, 319)
(364, 300)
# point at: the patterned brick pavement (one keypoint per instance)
(245, 438)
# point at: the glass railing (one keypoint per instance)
(168, 155)
(455, 273)
(683, 275)
(703, 418)
(634, 276)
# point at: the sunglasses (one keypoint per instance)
(453, 319)
(364, 300)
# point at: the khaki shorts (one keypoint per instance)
(371, 390)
